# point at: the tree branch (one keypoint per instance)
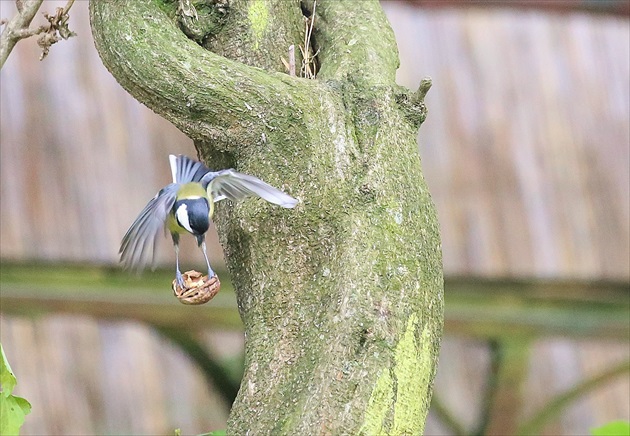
(344, 33)
(205, 95)
(52, 33)
(455, 427)
(559, 403)
(503, 397)
(258, 33)
(17, 28)
(214, 372)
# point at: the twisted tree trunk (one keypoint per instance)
(341, 298)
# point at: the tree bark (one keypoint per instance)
(341, 297)
(17, 27)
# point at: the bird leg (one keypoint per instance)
(178, 274)
(201, 241)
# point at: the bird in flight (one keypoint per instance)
(187, 206)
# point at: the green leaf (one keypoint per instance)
(7, 379)
(12, 409)
(12, 412)
(215, 433)
(614, 428)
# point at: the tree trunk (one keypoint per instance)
(341, 297)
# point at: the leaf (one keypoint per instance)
(12, 410)
(215, 433)
(7, 379)
(613, 428)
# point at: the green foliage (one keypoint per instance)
(613, 428)
(12, 409)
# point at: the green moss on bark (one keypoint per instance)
(258, 16)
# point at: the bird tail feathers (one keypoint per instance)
(186, 170)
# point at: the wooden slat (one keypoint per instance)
(618, 7)
(484, 308)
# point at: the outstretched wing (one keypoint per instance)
(138, 246)
(236, 186)
(186, 170)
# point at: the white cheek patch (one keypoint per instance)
(182, 217)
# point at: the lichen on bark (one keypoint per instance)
(341, 297)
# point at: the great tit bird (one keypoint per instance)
(187, 205)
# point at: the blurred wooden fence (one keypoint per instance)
(526, 151)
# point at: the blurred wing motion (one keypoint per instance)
(138, 246)
(186, 170)
(236, 186)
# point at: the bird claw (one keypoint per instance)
(180, 280)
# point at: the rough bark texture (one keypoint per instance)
(341, 297)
